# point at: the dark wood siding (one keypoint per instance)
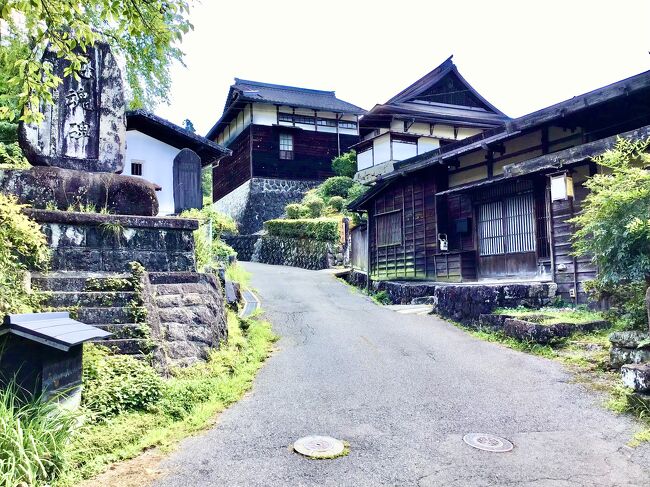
(413, 199)
(570, 271)
(234, 170)
(312, 158)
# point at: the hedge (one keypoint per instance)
(325, 229)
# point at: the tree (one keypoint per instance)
(345, 164)
(146, 33)
(188, 125)
(614, 225)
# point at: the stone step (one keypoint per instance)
(102, 315)
(127, 346)
(77, 281)
(124, 331)
(64, 299)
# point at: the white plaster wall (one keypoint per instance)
(264, 114)
(403, 151)
(443, 131)
(425, 144)
(157, 166)
(364, 160)
(381, 146)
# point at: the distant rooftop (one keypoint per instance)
(255, 91)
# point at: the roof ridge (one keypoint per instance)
(284, 87)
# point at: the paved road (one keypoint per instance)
(403, 390)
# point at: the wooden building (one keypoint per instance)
(497, 205)
(438, 109)
(280, 133)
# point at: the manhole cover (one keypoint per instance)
(319, 446)
(486, 442)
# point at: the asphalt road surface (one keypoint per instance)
(403, 390)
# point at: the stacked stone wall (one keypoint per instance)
(297, 252)
(107, 243)
(261, 199)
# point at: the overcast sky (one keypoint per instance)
(520, 55)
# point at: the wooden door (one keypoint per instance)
(187, 181)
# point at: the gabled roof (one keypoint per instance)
(440, 96)
(638, 84)
(176, 136)
(257, 92)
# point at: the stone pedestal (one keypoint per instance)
(107, 243)
(625, 348)
(637, 377)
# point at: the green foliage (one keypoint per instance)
(114, 384)
(336, 203)
(295, 211)
(11, 156)
(145, 33)
(325, 229)
(211, 248)
(381, 297)
(206, 185)
(336, 186)
(22, 247)
(314, 206)
(236, 273)
(626, 303)
(355, 191)
(34, 435)
(553, 315)
(614, 225)
(187, 403)
(345, 164)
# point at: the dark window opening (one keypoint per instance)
(136, 168)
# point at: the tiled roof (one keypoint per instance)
(290, 96)
(255, 91)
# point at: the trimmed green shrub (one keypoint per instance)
(314, 206)
(114, 384)
(345, 164)
(22, 247)
(295, 211)
(336, 202)
(34, 435)
(325, 229)
(336, 186)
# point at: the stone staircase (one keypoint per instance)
(104, 300)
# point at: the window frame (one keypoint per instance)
(286, 153)
(502, 232)
(385, 241)
(137, 162)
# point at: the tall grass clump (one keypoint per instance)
(34, 435)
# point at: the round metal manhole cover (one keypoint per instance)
(319, 446)
(487, 442)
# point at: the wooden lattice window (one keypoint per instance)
(507, 226)
(389, 228)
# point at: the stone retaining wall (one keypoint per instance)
(98, 242)
(462, 302)
(244, 245)
(261, 199)
(296, 252)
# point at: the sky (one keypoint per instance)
(520, 55)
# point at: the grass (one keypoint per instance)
(554, 315)
(34, 435)
(191, 399)
(236, 273)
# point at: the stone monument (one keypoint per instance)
(85, 127)
(79, 147)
